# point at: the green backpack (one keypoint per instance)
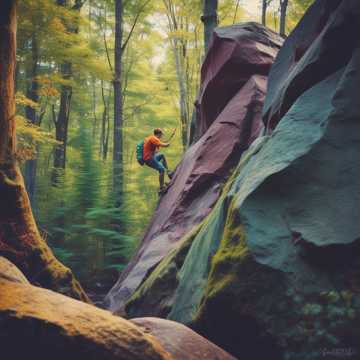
(139, 153)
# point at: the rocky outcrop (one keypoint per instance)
(236, 53)
(44, 324)
(181, 342)
(273, 271)
(250, 49)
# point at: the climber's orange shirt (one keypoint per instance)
(151, 144)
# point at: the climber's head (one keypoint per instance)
(158, 133)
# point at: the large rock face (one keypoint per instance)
(250, 50)
(273, 271)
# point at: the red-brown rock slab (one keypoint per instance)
(181, 342)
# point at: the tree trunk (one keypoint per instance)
(117, 141)
(20, 241)
(33, 87)
(283, 12)
(264, 10)
(30, 178)
(7, 73)
(184, 116)
(31, 115)
(105, 123)
(210, 20)
(62, 122)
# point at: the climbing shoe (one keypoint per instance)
(170, 174)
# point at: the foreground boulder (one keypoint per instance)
(10, 272)
(273, 271)
(181, 342)
(207, 164)
(45, 325)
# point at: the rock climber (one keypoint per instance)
(155, 160)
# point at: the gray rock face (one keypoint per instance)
(297, 200)
(322, 43)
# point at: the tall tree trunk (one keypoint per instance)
(20, 241)
(7, 73)
(184, 114)
(117, 141)
(62, 121)
(31, 115)
(105, 123)
(264, 10)
(33, 87)
(94, 100)
(210, 20)
(283, 13)
(30, 178)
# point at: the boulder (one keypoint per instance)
(236, 53)
(273, 270)
(180, 341)
(9, 271)
(45, 325)
(207, 164)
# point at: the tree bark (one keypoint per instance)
(105, 123)
(62, 122)
(283, 13)
(264, 10)
(33, 87)
(118, 141)
(63, 118)
(210, 20)
(31, 115)
(7, 73)
(20, 241)
(184, 114)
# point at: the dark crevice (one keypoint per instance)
(331, 256)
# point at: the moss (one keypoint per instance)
(232, 252)
(155, 294)
(232, 300)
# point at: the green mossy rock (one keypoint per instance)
(156, 294)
